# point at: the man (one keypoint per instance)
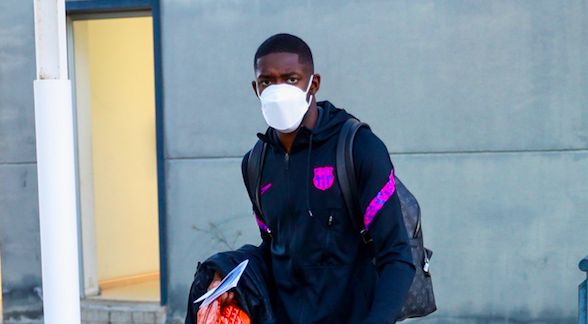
(321, 270)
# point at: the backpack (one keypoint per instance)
(420, 300)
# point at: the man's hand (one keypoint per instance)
(209, 314)
(226, 298)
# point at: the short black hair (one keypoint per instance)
(285, 43)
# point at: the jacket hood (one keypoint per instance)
(328, 124)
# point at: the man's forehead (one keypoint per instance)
(281, 62)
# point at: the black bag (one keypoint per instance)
(420, 300)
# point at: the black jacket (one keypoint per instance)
(321, 271)
(252, 292)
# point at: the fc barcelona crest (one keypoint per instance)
(323, 178)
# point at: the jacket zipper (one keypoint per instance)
(328, 234)
(287, 160)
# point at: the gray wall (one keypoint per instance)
(19, 220)
(482, 103)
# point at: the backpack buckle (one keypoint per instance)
(365, 236)
(266, 235)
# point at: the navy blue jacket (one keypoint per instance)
(252, 292)
(321, 271)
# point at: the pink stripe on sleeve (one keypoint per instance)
(378, 202)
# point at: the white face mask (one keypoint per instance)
(284, 106)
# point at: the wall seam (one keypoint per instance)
(18, 163)
(408, 153)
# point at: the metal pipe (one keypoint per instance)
(55, 166)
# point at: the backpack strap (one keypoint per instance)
(346, 173)
(254, 169)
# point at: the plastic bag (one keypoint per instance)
(227, 314)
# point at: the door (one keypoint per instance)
(114, 95)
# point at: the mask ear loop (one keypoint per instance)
(308, 89)
(257, 89)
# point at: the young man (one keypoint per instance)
(321, 270)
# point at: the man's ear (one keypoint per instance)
(316, 84)
(254, 85)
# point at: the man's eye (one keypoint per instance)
(265, 83)
(292, 80)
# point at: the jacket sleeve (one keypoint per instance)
(382, 217)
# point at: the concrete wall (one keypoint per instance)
(482, 104)
(19, 222)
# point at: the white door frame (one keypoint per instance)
(83, 152)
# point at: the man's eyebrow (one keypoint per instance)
(264, 76)
(283, 75)
(289, 74)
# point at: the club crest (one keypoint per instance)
(323, 178)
